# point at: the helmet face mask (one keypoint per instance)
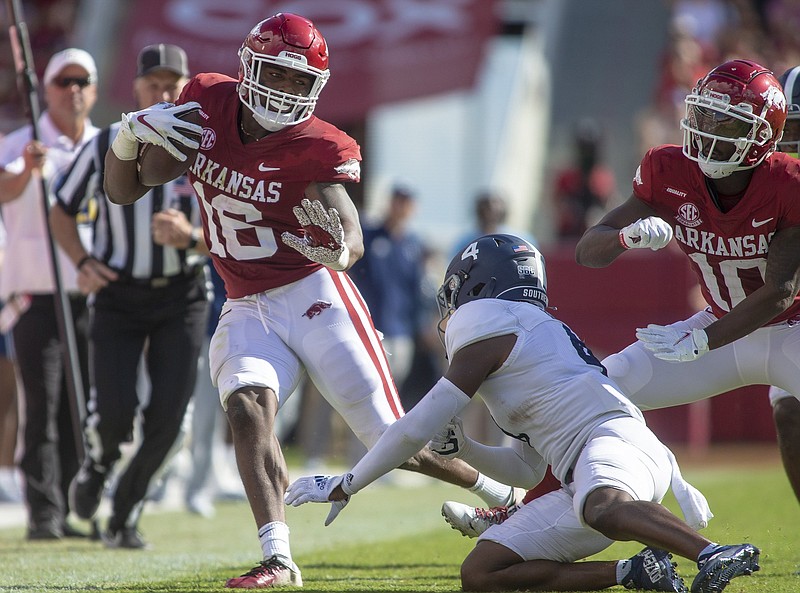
(288, 44)
(734, 118)
(493, 266)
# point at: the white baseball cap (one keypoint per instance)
(68, 57)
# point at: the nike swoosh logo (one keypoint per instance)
(758, 223)
(265, 169)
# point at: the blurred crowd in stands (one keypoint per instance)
(704, 33)
(50, 25)
(701, 34)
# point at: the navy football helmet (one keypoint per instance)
(791, 132)
(494, 267)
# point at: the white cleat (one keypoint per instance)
(473, 521)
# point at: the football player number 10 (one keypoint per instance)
(726, 278)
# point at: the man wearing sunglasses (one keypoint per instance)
(49, 459)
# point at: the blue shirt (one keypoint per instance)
(389, 277)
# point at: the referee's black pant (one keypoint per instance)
(166, 324)
(50, 455)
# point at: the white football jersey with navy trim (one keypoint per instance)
(551, 392)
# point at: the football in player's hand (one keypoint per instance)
(157, 166)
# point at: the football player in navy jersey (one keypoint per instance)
(282, 231)
(545, 389)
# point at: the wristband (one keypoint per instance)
(340, 264)
(346, 484)
(124, 147)
(622, 242)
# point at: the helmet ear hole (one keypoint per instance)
(477, 289)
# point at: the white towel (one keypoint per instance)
(694, 505)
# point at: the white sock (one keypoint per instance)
(274, 538)
(706, 553)
(493, 493)
(623, 568)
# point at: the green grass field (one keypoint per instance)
(387, 539)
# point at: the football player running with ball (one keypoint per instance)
(544, 388)
(281, 230)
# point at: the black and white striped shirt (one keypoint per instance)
(123, 238)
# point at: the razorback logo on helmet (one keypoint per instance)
(637, 178)
(316, 309)
(288, 41)
(774, 96)
(351, 168)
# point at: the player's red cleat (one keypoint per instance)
(271, 572)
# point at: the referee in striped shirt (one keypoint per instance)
(146, 278)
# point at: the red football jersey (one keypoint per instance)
(247, 191)
(727, 250)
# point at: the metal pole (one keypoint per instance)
(26, 76)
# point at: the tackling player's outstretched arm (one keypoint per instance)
(403, 439)
(468, 369)
(505, 464)
(630, 225)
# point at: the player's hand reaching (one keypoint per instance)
(673, 344)
(652, 232)
(160, 125)
(450, 441)
(319, 489)
(323, 235)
